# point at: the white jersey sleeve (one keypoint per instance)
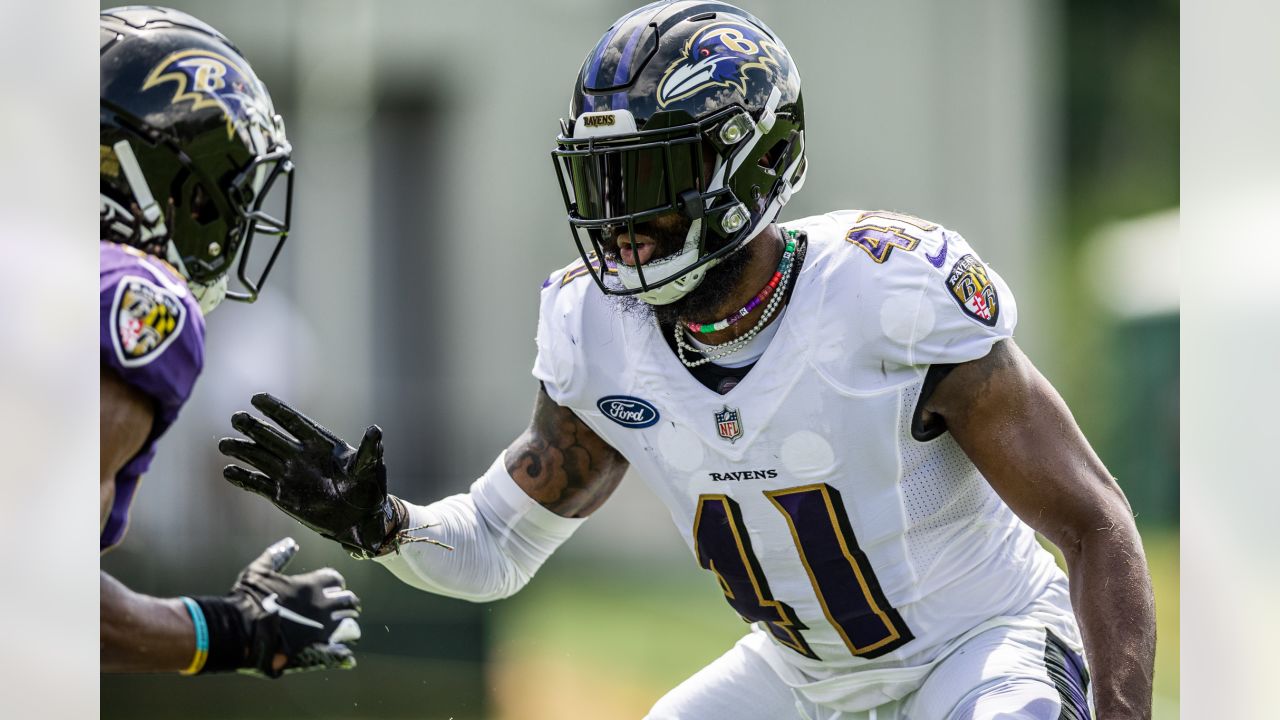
(955, 308)
(558, 354)
(573, 315)
(893, 295)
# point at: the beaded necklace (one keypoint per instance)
(715, 352)
(784, 266)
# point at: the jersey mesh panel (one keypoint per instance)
(942, 491)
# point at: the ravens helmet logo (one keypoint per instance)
(718, 56)
(208, 79)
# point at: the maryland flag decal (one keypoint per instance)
(973, 290)
(146, 318)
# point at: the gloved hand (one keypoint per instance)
(316, 477)
(271, 623)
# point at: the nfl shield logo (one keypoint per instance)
(729, 423)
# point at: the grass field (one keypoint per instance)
(604, 643)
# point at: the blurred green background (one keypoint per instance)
(426, 207)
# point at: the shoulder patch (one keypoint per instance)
(145, 320)
(973, 290)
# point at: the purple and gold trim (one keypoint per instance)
(847, 589)
(722, 546)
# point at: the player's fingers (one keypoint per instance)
(319, 656)
(339, 656)
(263, 434)
(285, 416)
(348, 631)
(325, 578)
(298, 425)
(370, 452)
(245, 479)
(251, 453)
(276, 557)
(342, 599)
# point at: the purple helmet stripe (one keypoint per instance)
(624, 67)
(602, 49)
(594, 70)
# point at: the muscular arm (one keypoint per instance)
(561, 463)
(142, 633)
(138, 633)
(124, 422)
(1019, 433)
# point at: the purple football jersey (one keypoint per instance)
(151, 334)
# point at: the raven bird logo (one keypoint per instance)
(208, 79)
(718, 56)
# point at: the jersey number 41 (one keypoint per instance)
(842, 578)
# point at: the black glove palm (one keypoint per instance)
(318, 479)
(271, 623)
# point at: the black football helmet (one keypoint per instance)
(190, 148)
(684, 107)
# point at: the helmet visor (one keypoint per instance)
(613, 183)
(610, 184)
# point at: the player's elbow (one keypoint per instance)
(506, 579)
(1105, 521)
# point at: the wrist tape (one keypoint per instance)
(228, 643)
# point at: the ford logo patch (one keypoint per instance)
(628, 411)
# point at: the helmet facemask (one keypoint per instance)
(671, 134)
(623, 179)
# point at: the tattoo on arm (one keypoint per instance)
(561, 463)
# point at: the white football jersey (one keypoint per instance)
(853, 544)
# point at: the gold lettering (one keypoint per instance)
(209, 77)
(734, 40)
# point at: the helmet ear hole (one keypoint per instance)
(773, 159)
(203, 210)
(201, 221)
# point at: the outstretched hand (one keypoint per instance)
(314, 476)
(293, 623)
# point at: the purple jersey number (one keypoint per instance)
(722, 546)
(842, 579)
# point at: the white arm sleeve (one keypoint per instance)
(500, 536)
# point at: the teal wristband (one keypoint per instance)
(202, 637)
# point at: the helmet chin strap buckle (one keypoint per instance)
(691, 205)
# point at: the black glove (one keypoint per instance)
(272, 624)
(318, 479)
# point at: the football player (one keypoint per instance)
(833, 409)
(190, 147)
